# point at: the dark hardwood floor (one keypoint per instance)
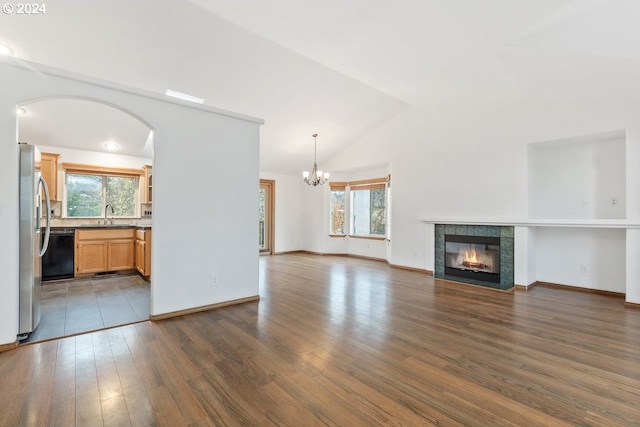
(344, 342)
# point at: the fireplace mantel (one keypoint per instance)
(581, 223)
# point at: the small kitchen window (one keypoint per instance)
(88, 189)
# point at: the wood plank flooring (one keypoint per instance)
(344, 342)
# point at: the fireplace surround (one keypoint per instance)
(476, 254)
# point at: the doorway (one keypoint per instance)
(266, 216)
(98, 155)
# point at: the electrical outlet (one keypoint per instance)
(583, 269)
(214, 280)
(614, 201)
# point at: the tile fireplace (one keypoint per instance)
(476, 254)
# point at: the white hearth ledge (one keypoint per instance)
(581, 223)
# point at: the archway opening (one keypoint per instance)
(97, 159)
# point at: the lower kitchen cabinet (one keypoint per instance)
(101, 250)
(121, 255)
(143, 252)
(91, 256)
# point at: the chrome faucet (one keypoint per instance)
(106, 221)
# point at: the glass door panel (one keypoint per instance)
(266, 215)
(261, 218)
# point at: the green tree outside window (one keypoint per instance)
(87, 195)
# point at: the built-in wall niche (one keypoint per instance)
(578, 178)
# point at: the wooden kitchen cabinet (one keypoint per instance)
(148, 184)
(140, 252)
(143, 252)
(49, 171)
(100, 250)
(121, 255)
(91, 256)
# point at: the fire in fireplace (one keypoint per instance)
(473, 257)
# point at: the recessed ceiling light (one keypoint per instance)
(5, 50)
(111, 146)
(21, 111)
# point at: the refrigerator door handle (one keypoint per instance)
(45, 243)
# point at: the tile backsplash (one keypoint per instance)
(58, 221)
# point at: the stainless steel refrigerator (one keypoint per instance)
(32, 245)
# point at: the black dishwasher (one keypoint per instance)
(57, 261)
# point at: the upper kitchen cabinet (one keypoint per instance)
(49, 171)
(148, 184)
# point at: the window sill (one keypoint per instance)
(358, 236)
(337, 235)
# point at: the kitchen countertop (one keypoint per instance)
(114, 226)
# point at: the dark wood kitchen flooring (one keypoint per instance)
(75, 306)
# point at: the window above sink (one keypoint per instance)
(88, 189)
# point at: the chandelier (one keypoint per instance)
(317, 177)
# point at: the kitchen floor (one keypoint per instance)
(74, 306)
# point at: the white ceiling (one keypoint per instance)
(335, 67)
(80, 124)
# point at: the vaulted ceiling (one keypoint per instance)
(335, 67)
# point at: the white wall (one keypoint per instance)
(289, 221)
(205, 211)
(633, 266)
(429, 249)
(316, 225)
(202, 225)
(467, 161)
(578, 178)
(525, 256)
(9, 265)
